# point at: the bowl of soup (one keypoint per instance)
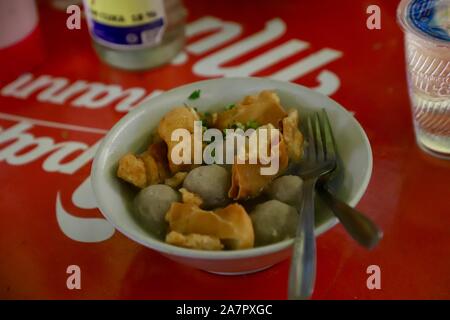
(200, 173)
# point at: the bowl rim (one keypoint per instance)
(168, 249)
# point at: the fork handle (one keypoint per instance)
(360, 227)
(302, 272)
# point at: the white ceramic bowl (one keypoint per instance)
(131, 133)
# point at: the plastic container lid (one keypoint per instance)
(428, 19)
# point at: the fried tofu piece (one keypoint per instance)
(231, 224)
(194, 241)
(132, 170)
(176, 180)
(264, 108)
(189, 197)
(247, 180)
(292, 135)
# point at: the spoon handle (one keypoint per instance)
(360, 227)
(302, 272)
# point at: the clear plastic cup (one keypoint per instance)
(426, 24)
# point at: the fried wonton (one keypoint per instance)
(292, 135)
(151, 168)
(194, 241)
(247, 180)
(178, 118)
(242, 224)
(145, 169)
(176, 180)
(190, 197)
(132, 169)
(158, 150)
(263, 109)
(231, 223)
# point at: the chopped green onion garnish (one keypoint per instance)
(195, 95)
(252, 124)
(238, 125)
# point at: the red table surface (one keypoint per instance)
(408, 195)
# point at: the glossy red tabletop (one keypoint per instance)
(48, 217)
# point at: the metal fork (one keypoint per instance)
(362, 229)
(319, 160)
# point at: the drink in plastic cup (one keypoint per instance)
(426, 24)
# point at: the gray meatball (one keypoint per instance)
(211, 183)
(287, 189)
(273, 221)
(152, 203)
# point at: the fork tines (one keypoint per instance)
(320, 144)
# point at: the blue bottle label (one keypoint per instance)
(126, 24)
